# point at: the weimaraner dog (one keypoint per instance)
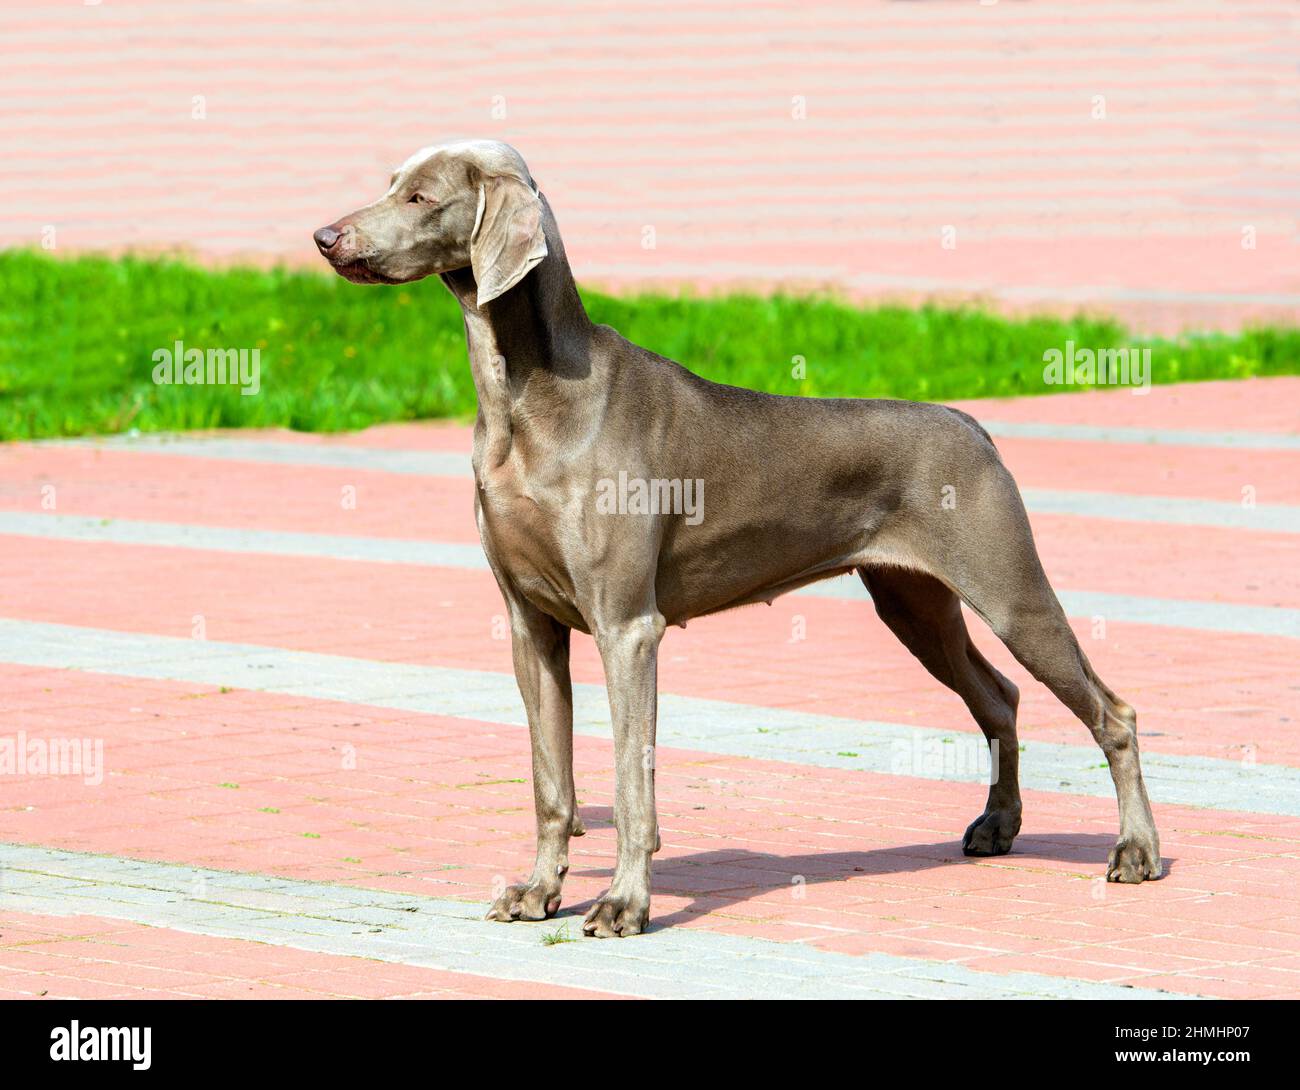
(912, 497)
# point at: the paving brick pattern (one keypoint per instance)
(783, 858)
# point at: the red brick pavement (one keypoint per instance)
(441, 806)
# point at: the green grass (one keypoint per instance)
(558, 936)
(77, 339)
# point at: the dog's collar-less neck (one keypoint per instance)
(534, 340)
(539, 323)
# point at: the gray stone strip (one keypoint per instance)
(374, 550)
(1131, 608)
(1182, 613)
(1278, 518)
(1165, 437)
(424, 463)
(685, 722)
(664, 963)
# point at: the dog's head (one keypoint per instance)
(447, 207)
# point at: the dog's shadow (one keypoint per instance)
(717, 880)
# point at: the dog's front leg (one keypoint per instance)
(541, 654)
(630, 653)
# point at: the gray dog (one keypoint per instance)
(911, 497)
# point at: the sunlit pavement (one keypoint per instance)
(283, 667)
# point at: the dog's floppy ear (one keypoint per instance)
(508, 239)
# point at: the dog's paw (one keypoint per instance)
(525, 902)
(1134, 859)
(991, 833)
(617, 917)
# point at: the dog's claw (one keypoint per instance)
(1134, 859)
(616, 917)
(992, 833)
(524, 902)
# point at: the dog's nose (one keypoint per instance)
(325, 238)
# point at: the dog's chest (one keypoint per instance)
(525, 525)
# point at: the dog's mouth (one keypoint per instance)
(358, 272)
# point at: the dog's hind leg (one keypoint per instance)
(1038, 634)
(987, 554)
(926, 616)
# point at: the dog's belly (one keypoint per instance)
(685, 591)
(753, 546)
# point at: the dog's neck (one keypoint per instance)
(529, 348)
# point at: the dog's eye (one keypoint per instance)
(418, 198)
